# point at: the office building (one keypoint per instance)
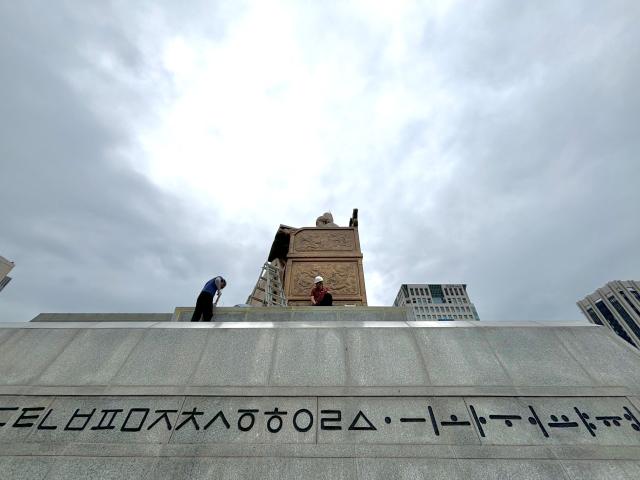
(616, 306)
(436, 302)
(5, 268)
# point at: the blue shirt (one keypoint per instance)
(210, 287)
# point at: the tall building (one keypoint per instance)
(436, 302)
(5, 268)
(617, 306)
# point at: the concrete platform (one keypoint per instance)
(355, 396)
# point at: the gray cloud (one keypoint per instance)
(521, 183)
(541, 208)
(86, 232)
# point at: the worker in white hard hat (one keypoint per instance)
(320, 296)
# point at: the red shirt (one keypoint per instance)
(318, 293)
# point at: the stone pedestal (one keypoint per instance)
(351, 398)
(333, 253)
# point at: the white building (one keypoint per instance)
(436, 302)
(5, 268)
(616, 306)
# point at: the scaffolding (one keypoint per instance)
(268, 291)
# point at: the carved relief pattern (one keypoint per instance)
(313, 241)
(340, 278)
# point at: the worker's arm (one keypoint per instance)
(217, 298)
(313, 300)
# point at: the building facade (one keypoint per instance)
(5, 268)
(616, 306)
(443, 302)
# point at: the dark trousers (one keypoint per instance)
(204, 308)
(327, 301)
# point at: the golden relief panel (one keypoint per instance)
(324, 240)
(341, 278)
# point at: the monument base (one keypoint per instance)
(313, 397)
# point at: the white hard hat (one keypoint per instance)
(318, 279)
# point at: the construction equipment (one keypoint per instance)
(268, 291)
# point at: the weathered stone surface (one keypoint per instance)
(297, 314)
(371, 314)
(82, 468)
(164, 357)
(236, 357)
(583, 342)
(23, 468)
(5, 334)
(459, 356)
(384, 357)
(276, 468)
(309, 357)
(535, 356)
(307, 362)
(602, 470)
(28, 352)
(354, 354)
(102, 317)
(410, 469)
(512, 469)
(91, 358)
(175, 468)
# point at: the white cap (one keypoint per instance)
(318, 279)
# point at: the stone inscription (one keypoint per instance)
(340, 277)
(330, 241)
(426, 420)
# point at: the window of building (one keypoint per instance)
(606, 313)
(626, 299)
(435, 290)
(634, 293)
(625, 316)
(594, 316)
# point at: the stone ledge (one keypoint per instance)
(214, 450)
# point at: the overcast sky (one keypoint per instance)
(148, 146)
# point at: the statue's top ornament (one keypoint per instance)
(325, 220)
